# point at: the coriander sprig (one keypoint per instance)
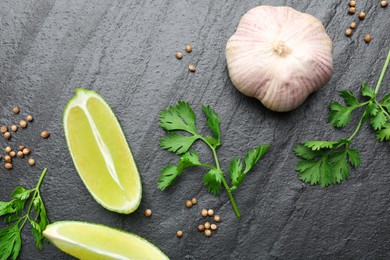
(10, 236)
(182, 118)
(327, 163)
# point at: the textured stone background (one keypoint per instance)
(125, 50)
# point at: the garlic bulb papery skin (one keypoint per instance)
(279, 56)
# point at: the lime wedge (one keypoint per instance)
(100, 152)
(93, 241)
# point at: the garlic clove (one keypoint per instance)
(280, 56)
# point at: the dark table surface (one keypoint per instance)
(125, 50)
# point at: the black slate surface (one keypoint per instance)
(125, 50)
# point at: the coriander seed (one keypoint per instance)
(348, 32)
(16, 110)
(362, 15)
(352, 3)
(12, 154)
(4, 128)
(191, 68)
(23, 124)
(179, 55)
(207, 233)
(204, 212)
(353, 25)
(14, 128)
(45, 134)
(29, 118)
(179, 234)
(148, 213)
(217, 218)
(8, 166)
(7, 158)
(188, 48)
(367, 38)
(194, 201)
(21, 147)
(20, 154)
(201, 228)
(213, 227)
(210, 212)
(8, 149)
(352, 10)
(26, 151)
(31, 162)
(188, 204)
(207, 225)
(384, 4)
(7, 135)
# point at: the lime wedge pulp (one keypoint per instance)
(92, 241)
(100, 152)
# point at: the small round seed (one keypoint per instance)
(21, 147)
(148, 213)
(16, 110)
(7, 158)
(14, 128)
(207, 225)
(31, 162)
(194, 201)
(29, 118)
(179, 55)
(213, 227)
(384, 4)
(353, 25)
(367, 38)
(348, 32)
(8, 166)
(8, 149)
(217, 218)
(362, 15)
(204, 212)
(210, 212)
(352, 3)
(20, 154)
(179, 234)
(12, 154)
(201, 228)
(191, 68)
(352, 10)
(188, 48)
(7, 135)
(207, 233)
(4, 128)
(23, 124)
(188, 204)
(45, 134)
(26, 151)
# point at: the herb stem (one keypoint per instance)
(358, 127)
(381, 76)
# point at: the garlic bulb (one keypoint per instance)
(279, 56)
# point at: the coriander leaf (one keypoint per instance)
(386, 102)
(339, 114)
(318, 145)
(180, 117)
(213, 122)
(235, 170)
(253, 156)
(214, 142)
(168, 175)
(340, 168)
(177, 143)
(367, 91)
(189, 159)
(21, 193)
(353, 157)
(349, 98)
(384, 133)
(315, 171)
(7, 208)
(213, 181)
(378, 121)
(10, 242)
(306, 153)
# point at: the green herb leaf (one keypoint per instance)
(318, 145)
(213, 181)
(235, 171)
(21, 193)
(367, 91)
(353, 157)
(253, 156)
(306, 153)
(379, 120)
(384, 133)
(177, 143)
(213, 122)
(180, 117)
(10, 242)
(339, 114)
(386, 102)
(349, 98)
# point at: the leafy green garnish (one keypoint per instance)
(12, 211)
(182, 118)
(326, 163)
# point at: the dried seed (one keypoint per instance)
(201, 228)
(31, 162)
(7, 158)
(148, 213)
(8, 149)
(179, 55)
(207, 225)
(21, 147)
(179, 234)
(352, 3)
(29, 118)
(8, 166)
(14, 128)
(23, 124)
(204, 212)
(352, 10)
(12, 154)
(7, 135)
(191, 68)
(217, 218)
(210, 212)
(20, 154)
(362, 15)
(353, 25)
(194, 201)
(16, 110)
(4, 128)
(188, 48)
(188, 204)
(207, 233)
(45, 134)
(348, 32)
(213, 227)
(26, 151)
(367, 38)
(384, 4)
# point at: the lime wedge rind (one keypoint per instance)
(80, 100)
